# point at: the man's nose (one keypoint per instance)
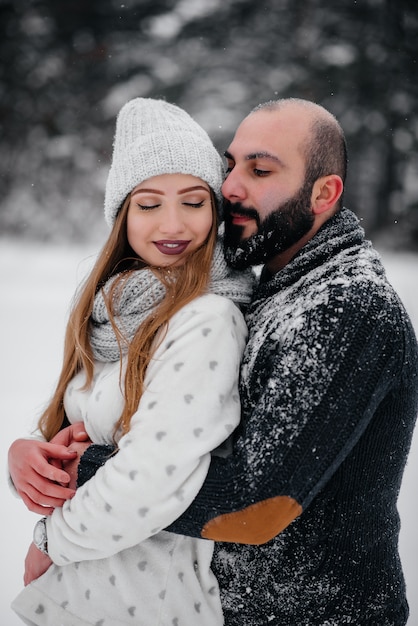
(233, 188)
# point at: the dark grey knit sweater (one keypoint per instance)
(329, 395)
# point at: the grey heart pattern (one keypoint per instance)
(143, 511)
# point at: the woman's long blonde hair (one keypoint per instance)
(185, 283)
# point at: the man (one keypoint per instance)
(304, 509)
(328, 390)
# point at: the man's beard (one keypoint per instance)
(280, 230)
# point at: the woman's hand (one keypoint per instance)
(36, 564)
(36, 468)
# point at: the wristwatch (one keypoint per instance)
(39, 536)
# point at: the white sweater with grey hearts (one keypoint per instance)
(113, 563)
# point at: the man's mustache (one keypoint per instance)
(238, 209)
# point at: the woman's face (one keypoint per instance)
(169, 216)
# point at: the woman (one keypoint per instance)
(151, 362)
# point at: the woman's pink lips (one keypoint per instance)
(171, 247)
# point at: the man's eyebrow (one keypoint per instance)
(255, 155)
(262, 155)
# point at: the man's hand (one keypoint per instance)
(36, 468)
(76, 440)
(36, 564)
(71, 466)
(70, 434)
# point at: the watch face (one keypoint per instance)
(39, 534)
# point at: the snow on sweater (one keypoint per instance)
(113, 563)
(329, 393)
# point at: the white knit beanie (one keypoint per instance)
(154, 137)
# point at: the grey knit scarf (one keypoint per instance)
(139, 294)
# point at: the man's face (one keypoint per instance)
(276, 233)
(267, 200)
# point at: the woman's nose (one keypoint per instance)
(172, 222)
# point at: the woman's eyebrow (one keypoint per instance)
(147, 191)
(179, 192)
(194, 188)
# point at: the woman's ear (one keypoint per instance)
(325, 193)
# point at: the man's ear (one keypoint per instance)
(326, 193)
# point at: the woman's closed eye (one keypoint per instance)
(195, 205)
(147, 207)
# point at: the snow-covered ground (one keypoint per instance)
(37, 283)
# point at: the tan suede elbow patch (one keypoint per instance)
(256, 524)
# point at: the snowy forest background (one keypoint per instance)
(67, 66)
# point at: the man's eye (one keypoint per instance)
(259, 172)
